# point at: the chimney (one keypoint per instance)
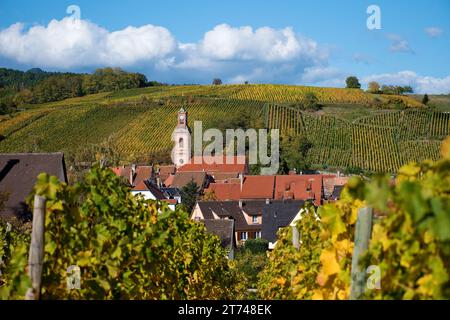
(338, 174)
(267, 201)
(241, 178)
(158, 182)
(240, 204)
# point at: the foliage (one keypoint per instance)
(250, 264)
(352, 82)
(320, 269)
(126, 247)
(14, 242)
(425, 99)
(386, 89)
(373, 87)
(190, 193)
(256, 246)
(294, 149)
(411, 243)
(217, 82)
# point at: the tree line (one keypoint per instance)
(34, 86)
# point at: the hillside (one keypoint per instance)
(354, 129)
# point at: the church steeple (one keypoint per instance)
(181, 136)
(182, 118)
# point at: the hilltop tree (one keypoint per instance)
(352, 82)
(374, 87)
(425, 99)
(217, 82)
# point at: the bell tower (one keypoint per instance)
(181, 136)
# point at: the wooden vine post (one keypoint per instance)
(36, 255)
(362, 237)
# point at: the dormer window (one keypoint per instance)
(254, 219)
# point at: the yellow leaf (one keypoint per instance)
(281, 281)
(445, 148)
(317, 295)
(329, 262)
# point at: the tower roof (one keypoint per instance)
(182, 110)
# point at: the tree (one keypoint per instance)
(353, 83)
(425, 99)
(189, 195)
(374, 87)
(294, 149)
(217, 82)
(311, 102)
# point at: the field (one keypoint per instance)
(348, 132)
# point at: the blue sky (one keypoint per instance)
(297, 42)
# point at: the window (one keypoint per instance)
(258, 235)
(244, 236)
(180, 143)
(254, 219)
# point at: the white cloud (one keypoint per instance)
(398, 44)
(421, 84)
(264, 44)
(70, 43)
(433, 32)
(320, 74)
(232, 53)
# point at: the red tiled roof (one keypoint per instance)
(225, 191)
(254, 187)
(258, 187)
(169, 181)
(214, 165)
(299, 187)
(183, 178)
(142, 173)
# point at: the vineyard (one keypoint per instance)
(140, 121)
(379, 143)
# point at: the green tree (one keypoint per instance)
(293, 152)
(190, 193)
(425, 99)
(352, 82)
(217, 82)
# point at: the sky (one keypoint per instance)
(316, 43)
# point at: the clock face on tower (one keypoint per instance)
(181, 117)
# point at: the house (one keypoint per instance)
(141, 180)
(276, 215)
(244, 188)
(18, 176)
(247, 216)
(315, 187)
(224, 229)
(181, 179)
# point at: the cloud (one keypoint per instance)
(232, 53)
(362, 58)
(421, 84)
(323, 76)
(433, 32)
(71, 43)
(398, 44)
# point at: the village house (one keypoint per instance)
(18, 176)
(224, 229)
(141, 179)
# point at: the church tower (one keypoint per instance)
(181, 136)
